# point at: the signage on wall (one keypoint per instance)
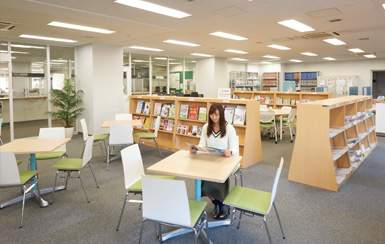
(224, 93)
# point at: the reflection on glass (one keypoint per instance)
(159, 75)
(62, 65)
(140, 74)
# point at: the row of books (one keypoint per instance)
(235, 114)
(142, 107)
(193, 112)
(264, 99)
(190, 130)
(164, 110)
(166, 124)
(286, 101)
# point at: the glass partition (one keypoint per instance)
(159, 75)
(4, 91)
(176, 75)
(140, 74)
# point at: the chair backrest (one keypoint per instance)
(83, 124)
(263, 107)
(9, 172)
(165, 201)
(286, 109)
(87, 153)
(156, 126)
(275, 184)
(121, 134)
(54, 133)
(123, 116)
(132, 165)
(267, 116)
(291, 116)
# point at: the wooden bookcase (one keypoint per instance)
(277, 99)
(249, 134)
(270, 80)
(334, 137)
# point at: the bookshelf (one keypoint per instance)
(277, 99)
(305, 81)
(334, 137)
(246, 81)
(182, 132)
(270, 81)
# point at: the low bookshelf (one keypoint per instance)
(182, 119)
(334, 137)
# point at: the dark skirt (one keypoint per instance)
(214, 190)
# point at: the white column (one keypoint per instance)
(168, 75)
(48, 77)
(150, 73)
(129, 76)
(183, 75)
(10, 95)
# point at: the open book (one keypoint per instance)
(210, 150)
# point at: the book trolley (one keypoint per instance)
(334, 137)
(179, 129)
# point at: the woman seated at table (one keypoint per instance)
(219, 135)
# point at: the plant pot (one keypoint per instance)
(69, 132)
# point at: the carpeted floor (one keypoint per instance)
(356, 214)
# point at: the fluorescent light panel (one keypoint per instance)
(140, 61)
(279, 47)
(239, 59)
(155, 8)
(309, 54)
(370, 56)
(163, 58)
(383, 5)
(235, 51)
(335, 41)
(146, 48)
(201, 55)
(15, 52)
(23, 46)
(295, 60)
(80, 27)
(265, 62)
(182, 43)
(356, 50)
(296, 25)
(47, 38)
(271, 56)
(228, 36)
(329, 58)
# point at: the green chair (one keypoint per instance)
(10, 176)
(139, 136)
(133, 172)
(68, 166)
(254, 202)
(98, 138)
(166, 202)
(267, 122)
(52, 133)
(289, 122)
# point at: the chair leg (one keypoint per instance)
(1, 141)
(122, 211)
(141, 231)
(22, 209)
(93, 175)
(275, 134)
(84, 190)
(54, 186)
(157, 146)
(108, 156)
(196, 236)
(291, 134)
(239, 220)
(67, 179)
(267, 229)
(279, 221)
(159, 234)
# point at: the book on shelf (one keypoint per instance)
(183, 113)
(202, 114)
(146, 108)
(193, 112)
(147, 123)
(157, 109)
(139, 106)
(170, 125)
(239, 115)
(165, 110)
(229, 114)
(194, 130)
(171, 113)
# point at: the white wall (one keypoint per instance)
(205, 74)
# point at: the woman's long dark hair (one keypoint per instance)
(222, 122)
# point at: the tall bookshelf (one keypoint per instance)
(279, 99)
(305, 81)
(249, 133)
(245, 81)
(334, 137)
(270, 81)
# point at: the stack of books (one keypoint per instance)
(142, 107)
(164, 110)
(235, 114)
(190, 130)
(193, 112)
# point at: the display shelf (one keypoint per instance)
(341, 141)
(249, 133)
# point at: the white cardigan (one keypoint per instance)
(230, 141)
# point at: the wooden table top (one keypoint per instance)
(280, 112)
(33, 145)
(200, 166)
(109, 123)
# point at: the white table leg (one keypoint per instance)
(280, 127)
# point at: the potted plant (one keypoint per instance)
(68, 103)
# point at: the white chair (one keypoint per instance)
(10, 176)
(267, 122)
(289, 122)
(133, 172)
(166, 202)
(102, 138)
(52, 133)
(286, 109)
(68, 166)
(123, 116)
(120, 135)
(263, 107)
(1, 123)
(150, 135)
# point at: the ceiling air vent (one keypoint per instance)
(6, 26)
(319, 35)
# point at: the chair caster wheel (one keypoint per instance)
(291, 141)
(276, 142)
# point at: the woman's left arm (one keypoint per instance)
(233, 141)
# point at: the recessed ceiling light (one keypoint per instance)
(383, 5)
(265, 62)
(155, 8)
(329, 58)
(280, 47)
(239, 59)
(80, 27)
(356, 50)
(23, 46)
(235, 51)
(182, 43)
(47, 38)
(228, 36)
(13, 57)
(15, 52)
(193, 61)
(201, 55)
(175, 63)
(271, 56)
(146, 48)
(370, 56)
(140, 61)
(295, 25)
(309, 54)
(335, 41)
(163, 58)
(295, 60)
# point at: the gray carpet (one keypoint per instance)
(356, 214)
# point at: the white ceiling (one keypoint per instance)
(255, 19)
